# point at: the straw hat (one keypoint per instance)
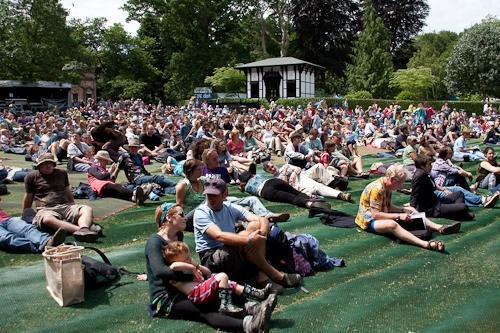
(248, 129)
(47, 157)
(104, 155)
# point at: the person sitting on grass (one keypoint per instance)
(488, 171)
(165, 300)
(56, 207)
(102, 180)
(205, 285)
(377, 214)
(449, 201)
(241, 255)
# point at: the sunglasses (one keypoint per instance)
(181, 214)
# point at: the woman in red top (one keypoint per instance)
(235, 144)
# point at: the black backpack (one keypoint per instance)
(101, 273)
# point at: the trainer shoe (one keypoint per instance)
(57, 239)
(276, 288)
(232, 310)
(138, 196)
(84, 234)
(259, 322)
(319, 205)
(291, 280)
(96, 228)
(278, 217)
(490, 201)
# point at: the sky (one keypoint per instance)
(451, 15)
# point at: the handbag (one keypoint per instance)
(64, 274)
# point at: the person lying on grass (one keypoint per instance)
(314, 181)
(206, 286)
(377, 214)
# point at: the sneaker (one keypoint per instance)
(345, 196)
(147, 188)
(276, 288)
(490, 201)
(252, 308)
(232, 310)
(84, 234)
(291, 280)
(259, 321)
(279, 153)
(96, 228)
(57, 239)
(319, 205)
(138, 196)
(262, 294)
(278, 217)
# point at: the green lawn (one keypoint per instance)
(385, 286)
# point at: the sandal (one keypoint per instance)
(435, 245)
(449, 229)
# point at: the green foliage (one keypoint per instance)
(372, 63)
(405, 95)
(469, 106)
(473, 66)
(433, 50)
(244, 101)
(227, 79)
(35, 42)
(362, 94)
(417, 81)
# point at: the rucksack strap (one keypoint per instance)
(100, 253)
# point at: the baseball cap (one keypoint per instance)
(215, 186)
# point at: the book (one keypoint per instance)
(416, 222)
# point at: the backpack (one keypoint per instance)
(101, 273)
(278, 250)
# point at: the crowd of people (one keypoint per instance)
(307, 153)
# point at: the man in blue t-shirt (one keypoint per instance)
(221, 249)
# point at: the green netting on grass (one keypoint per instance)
(385, 286)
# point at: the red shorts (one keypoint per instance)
(207, 291)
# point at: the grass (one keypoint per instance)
(385, 286)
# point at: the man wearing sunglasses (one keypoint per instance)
(241, 255)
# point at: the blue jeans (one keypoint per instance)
(471, 199)
(20, 237)
(256, 206)
(167, 184)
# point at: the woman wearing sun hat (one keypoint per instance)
(102, 180)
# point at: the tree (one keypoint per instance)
(419, 81)
(474, 66)
(126, 65)
(200, 36)
(404, 19)
(432, 51)
(35, 41)
(372, 65)
(324, 31)
(227, 79)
